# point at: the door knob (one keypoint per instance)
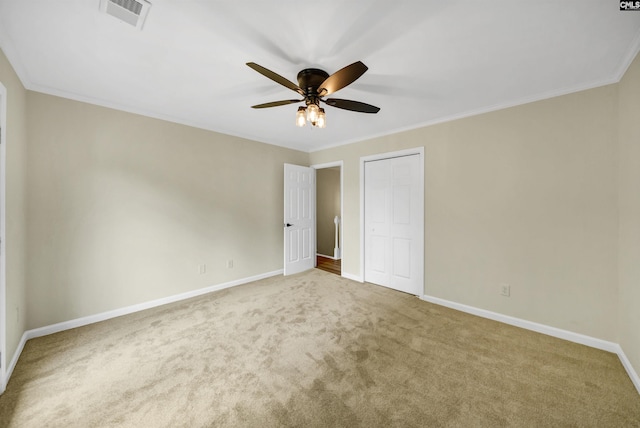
(288, 225)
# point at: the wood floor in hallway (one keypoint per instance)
(329, 265)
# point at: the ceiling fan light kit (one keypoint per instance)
(313, 114)
(313, 85)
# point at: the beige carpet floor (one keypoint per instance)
(313, 350)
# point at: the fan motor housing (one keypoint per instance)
(310, 79)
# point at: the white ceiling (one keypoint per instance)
(429, 61)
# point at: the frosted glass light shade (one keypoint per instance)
(322, 119)
(301, 117)
(312, 113)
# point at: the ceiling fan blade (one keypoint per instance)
(276, 103)
(275, 77)
(342, 78)
(352, 105)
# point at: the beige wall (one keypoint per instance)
(124, 209)
(15, 187)
(525, 196)
(327, 208)
(629, 249)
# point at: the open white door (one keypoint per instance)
(393, 223)
(299, 218)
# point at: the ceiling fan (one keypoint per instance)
(313, 85)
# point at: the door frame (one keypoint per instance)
(341, 238)
(382, 156)
(3, 245)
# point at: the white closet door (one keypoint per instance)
(393, 215)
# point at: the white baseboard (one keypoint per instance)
(529, 325)
(352, 277)
(327, 257)
(629, 368)
(79, 322)
(14, 361)
(544, 329)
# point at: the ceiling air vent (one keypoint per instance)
(132, 12)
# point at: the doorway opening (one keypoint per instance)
(329, 224)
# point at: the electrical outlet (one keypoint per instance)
(505, 290)
(230, 263)
(202, 269)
